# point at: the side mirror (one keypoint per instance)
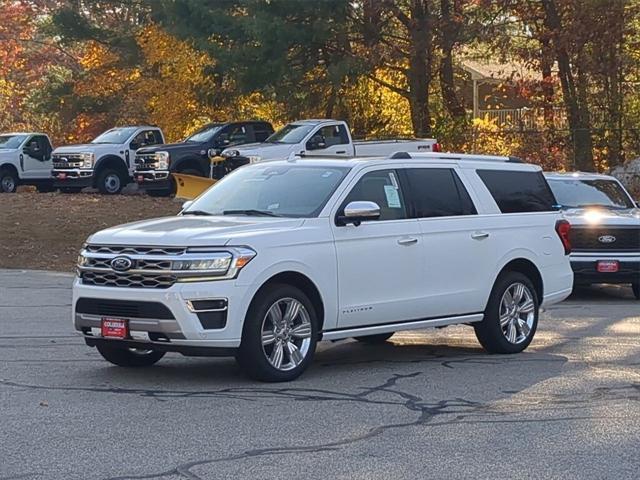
(187, 204)
(358, 212)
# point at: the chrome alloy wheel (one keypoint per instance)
(286, 334)
(112, 183)
(517, 313)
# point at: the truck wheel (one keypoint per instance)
(8, 181)
(279, 334)
(129, 357)
(159, 193)
(373, 339)
(511, 317)
(635, 287)
(110, 182)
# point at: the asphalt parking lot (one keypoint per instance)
(427, 405)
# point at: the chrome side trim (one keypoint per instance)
(394, 327)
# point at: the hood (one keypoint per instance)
(170, 147)
(7, 152)
(192, 231)
(268, 151)
(602, 216)
(89, 147)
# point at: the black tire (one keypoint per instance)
(374, 339)
(635, 287)
(70, 189)
(159, 193)
(124, 357)
(490, 332)
(253, 356)
(110, 181)
(8, 181)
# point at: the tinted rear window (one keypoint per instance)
(517, 191)
(438, 192)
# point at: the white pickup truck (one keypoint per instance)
(25, 158)
(107, 163)
(322, 138)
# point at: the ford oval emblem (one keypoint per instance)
(607, 239)
(121, 264)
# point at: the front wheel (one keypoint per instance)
(129, 357)
(8, 181)
(635, 287)
(511, 317)
(110, 182)
(279, 335)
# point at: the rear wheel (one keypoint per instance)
(379, 338)
(110, 182)
(636, 290)
(129, 357)
(279, 335)
(511, 317)
(8, 181)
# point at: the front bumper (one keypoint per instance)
(585, 270)
(72, 177)
(179, 326)
(152, 179)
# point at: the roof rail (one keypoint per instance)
(453, 156)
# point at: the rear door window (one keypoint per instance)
(437, 192)
(518, 191)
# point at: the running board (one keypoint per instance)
(395, 327)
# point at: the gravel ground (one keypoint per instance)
(46, 230)
(428, 404)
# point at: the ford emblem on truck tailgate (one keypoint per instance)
(121, 264)
(607, 239)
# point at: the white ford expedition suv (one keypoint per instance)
(279, 255)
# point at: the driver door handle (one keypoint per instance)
(479, 235)
(407, 241)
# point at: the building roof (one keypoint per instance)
(499, 72)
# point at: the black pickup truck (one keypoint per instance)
(191, 156)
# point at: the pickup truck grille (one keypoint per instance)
(604, 238)
(150, 266)
(146, 161)
(67, 160)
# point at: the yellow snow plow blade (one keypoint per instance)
(190, 186)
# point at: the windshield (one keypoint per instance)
(205, 133)
(292, 133)
(282, 190)
(11, 141)
(115, 135)
(574, 193)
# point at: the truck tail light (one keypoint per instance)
(563, 228)
(437, 147)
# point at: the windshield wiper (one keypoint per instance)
(197, 212)
(256, 213)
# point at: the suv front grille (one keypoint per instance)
(133, 280)
(598, 238)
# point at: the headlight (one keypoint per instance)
(254, 158)
(212, 263)
(87, 159)
(163, 160)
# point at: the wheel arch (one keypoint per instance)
(189, 162)
(304, 283)
(11, 167)
(527, 268)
